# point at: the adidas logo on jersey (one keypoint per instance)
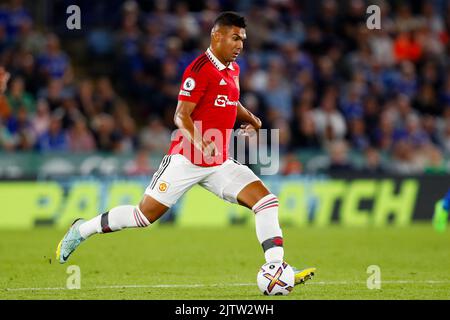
(222, 82)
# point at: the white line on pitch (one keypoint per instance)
(131, 286)
(232, 285)
(382, 282)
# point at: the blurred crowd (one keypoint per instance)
(311, 69)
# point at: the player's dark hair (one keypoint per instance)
(230, 19)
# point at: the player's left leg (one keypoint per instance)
(236, 183)
(264, 204)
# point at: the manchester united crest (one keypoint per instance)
(163, 186)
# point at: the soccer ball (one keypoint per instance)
(276, 278)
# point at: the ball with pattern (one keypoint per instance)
(276, 278)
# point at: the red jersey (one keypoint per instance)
(214, 88)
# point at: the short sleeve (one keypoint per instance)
(193, 86)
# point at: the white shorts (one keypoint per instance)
(176, 175)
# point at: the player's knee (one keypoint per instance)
(267, 202)
(151, 210)
(147, 212)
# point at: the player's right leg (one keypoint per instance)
(127, 216)
(174, 177)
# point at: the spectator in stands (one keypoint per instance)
(414, 132)
(384, 133)
(41, 119)
(4, 43)
(146, 73)
(304, 130)
(277, 95)
(430, 75)
(407, 48)
(155, 137)
(80, 138)
(140, 165)
(53, 63)
(85, 98)
(20, 126)
(127, 42)
(7, 140)
(185, 20)
(338, 152)
(444, 99)
(327, 75)
(129, 140)
(54, 139)
(357, 135)
(291, 165)
(18, 97)
(407, 83)
(445, 137)
(401, 110)
(372, 162)
(435, 163)
(28, 71)
(426, 101)
(371, 116)
(15, 16)
(105, 97)
(381, 45)
(352, 106)
(284, 140)
(5, 109)
(68, 112)
(107, 136)
(54, 94)
(255, 78)
(29, 38)
(429, 126)
(405, 160)
(328, 121)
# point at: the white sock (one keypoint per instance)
(268, 229)
(114, 220)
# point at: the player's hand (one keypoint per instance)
(210, 149)
(4, 77)
(247, 130)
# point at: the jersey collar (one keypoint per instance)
(219, 65)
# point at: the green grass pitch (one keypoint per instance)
(166, 262)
